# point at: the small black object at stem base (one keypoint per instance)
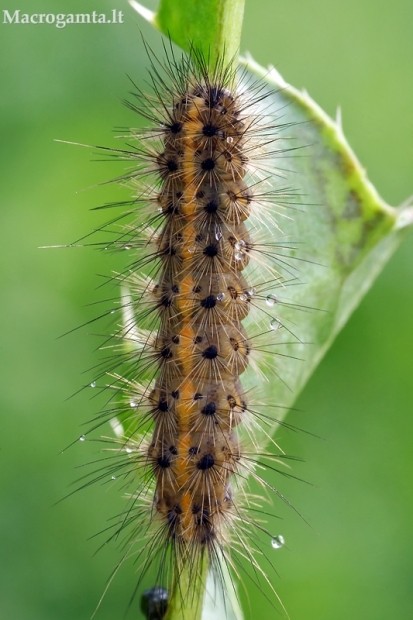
(154, 603)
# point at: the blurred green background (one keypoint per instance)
(356, 560)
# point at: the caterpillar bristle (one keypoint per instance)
(210, 265)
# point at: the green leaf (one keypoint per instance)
(346, 233)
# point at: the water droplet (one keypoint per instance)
(271, 300)
(112, 311)
(275, 324)
(220, 296)
(230, 140)
(93, 384)
(127, 247)
(133, 404)
(252, 291)
(159, 209)
(192, 249)
(243, 297)
(113, 478)
(278, 542)
(82, 438)
(128, 450)
(218, 232)
(239, 244)
(238, 255)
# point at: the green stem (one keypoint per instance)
(187, 598)
(212, 27)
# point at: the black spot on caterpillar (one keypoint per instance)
(208, 253)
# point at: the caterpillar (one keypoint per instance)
(200, 307)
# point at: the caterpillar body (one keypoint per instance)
(198, 309)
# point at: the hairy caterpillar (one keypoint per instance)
(210, 265)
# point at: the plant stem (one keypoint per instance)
(212, 27)
(187, 598)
